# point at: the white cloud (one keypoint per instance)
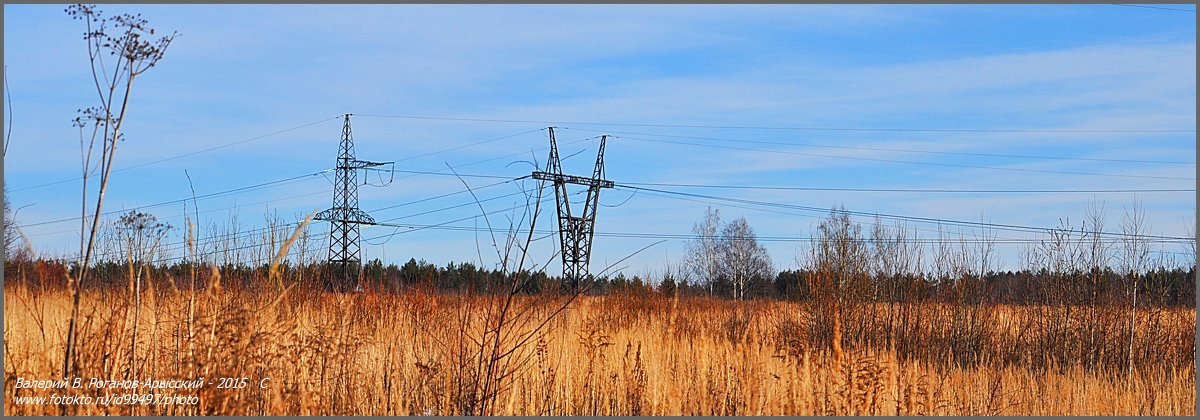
(241, 71)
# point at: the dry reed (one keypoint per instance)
(397, 354)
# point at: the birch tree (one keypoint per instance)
(743, 260)
(703, 259)
(1135, 251)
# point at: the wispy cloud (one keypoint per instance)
(238, 71)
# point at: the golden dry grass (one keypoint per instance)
(399, 354)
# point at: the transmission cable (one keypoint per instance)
(909, 190)
(1000, 226)
(847, 189)
(955, 165)
(183, 200)
(471, 145)
(749, 127)
(882, 149)
(185, 154)
(692, 236)
(1156, 7)
(233, 236)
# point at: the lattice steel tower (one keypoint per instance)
(575, 233)
(345, 264)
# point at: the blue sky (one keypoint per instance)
(1077, 81)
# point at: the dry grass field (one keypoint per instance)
(428, 353)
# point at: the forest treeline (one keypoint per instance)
(1067, 265)
(1161, 286)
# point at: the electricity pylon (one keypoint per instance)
(575, 232)
(345, 264)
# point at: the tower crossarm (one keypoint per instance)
(573, 179)
(345, 215)
(359, 164)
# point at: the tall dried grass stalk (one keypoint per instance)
(397, 354)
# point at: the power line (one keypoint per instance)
(637, 186)
(955, 165)
(446, 174)
(999, 226)
(748, 127)
(398, 226)
(246, 234)
(446, 226)
(689, 236)
(632, 186)
(897, 190)
(471, 145)
(237, 236)
(431, 172)
(456, 206)
(910, 190)
(882, 149)
(939, 232)
(225, 192)
(507, 178)
(187, 214)
(182, 200)
(63, 181)
(840, 189)
(409, 203)
(226, 237)
(760, 209)
(317, 240)
(234, 238)
(317, 244)
(1156, 7)
(544, 199)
